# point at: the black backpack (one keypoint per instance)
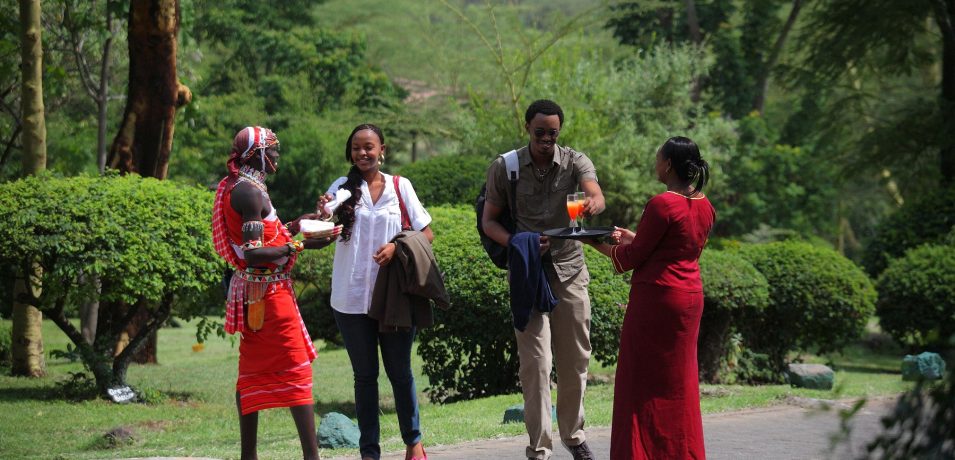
(496, 252)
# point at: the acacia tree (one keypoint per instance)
(27, 320)
(856, 44)
(747, 53)
(145, 135)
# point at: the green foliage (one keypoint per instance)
(818, 300)
(774, 185)
(917, 296)
(618, 112)
(143, 238)
(6, 344)
(471, 351)
(929, 218)
(731, 283)
(147, 241)
(921, 425)
(447, 179)
(730, 286)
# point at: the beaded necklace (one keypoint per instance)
(252, 176)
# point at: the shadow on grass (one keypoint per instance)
(35, 393)
(870, 369)
(386, 406)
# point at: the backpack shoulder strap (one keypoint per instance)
(405, 220)
(513, 173)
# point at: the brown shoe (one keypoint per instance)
(581, 451)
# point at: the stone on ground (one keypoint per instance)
(515, 413)
(813, 376)
(336, 431)
(925, 365)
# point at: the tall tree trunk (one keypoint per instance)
(693, 22)
(144, 140)
(27, 346)
(945, 18)
(762, 86)
(145, 135)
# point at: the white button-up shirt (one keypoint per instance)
(354, 271)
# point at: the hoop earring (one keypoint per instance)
(381, 160)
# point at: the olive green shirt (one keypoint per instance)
(542, 202)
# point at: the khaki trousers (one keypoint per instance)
(564, 336)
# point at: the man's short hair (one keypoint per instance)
(545, 107)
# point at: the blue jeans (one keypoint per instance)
(362, 338)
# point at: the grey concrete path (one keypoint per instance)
(796, 430)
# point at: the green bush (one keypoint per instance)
(447, 179)
(147, 241)
(313, 279)
(818, 300)
(732, 287)
(929, 218)
(471, 351)
(917, 296)
(6, 345)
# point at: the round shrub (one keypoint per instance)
(818, 300)
(147, 241)
(471, 351)
(447, 179)
(930, 218)
(732, 287)
(917, 296)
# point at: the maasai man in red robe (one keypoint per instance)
(275, 351)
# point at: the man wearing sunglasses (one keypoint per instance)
(547, 173)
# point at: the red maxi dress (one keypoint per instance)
(274, 361)
(656, 405)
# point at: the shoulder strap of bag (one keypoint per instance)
(513, 172)
(405, 220)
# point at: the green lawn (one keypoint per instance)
(199, 418)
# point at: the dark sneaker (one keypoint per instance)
(581, 452)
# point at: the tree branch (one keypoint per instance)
(763, 83)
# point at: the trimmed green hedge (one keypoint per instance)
(819, 300)
(930, 218)
(917, 296)
(447, 179)
(732, 288)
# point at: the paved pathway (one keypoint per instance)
(797, 430)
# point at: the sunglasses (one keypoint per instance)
(541, 132)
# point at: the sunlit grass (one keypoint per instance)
(198, 417)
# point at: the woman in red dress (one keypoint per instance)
(275, 352)
(656, 407)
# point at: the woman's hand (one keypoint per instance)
(622, 236)
(384, 254)
(320, 206)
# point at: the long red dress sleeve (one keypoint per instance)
(653, 225)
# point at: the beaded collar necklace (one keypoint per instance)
(252, 176)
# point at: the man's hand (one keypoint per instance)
(545, 244)
(317, 243)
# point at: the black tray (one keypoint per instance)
(585, 232)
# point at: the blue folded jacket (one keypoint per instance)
(529, 286)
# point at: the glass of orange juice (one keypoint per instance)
(573, 208)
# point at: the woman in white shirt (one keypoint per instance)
(371, 217)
